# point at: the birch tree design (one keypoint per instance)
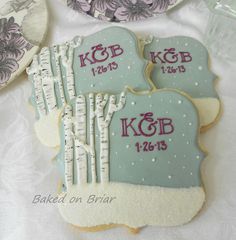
(75, 135)
(34, 72)
(103, 126)
(46, 79)
(66, 54)
(68, 140)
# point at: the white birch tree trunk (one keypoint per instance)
(80, 140)
(58, 76)
(35, 73)
(103, 126)
(91, 138)
(47, 79)
(104, 154)
(67, 58)
(69, 146)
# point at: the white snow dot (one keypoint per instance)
(113, 134)
(150, 105)
(143, 179)
(169, 176)
(191, 173)
(92, 85)
(184, 115)
(197, 157)
(170, 101)
(133, 103)
(167, 112)
(188, 142)
(183, 167)
(132, 163)
(196, 84)
(170, 139)
(200, 68)
(190, 124)
(186, 44)
(116, 153)
(180, 102)
(184, 155)
(129, 67)
(154, 160)
(175, 156)
(127, 146)
(183, 134)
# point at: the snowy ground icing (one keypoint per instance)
(133, 205)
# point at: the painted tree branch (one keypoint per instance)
(67, 51)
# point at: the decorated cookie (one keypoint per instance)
(130, 160)
(20, 35)
(121, 10)
(183, 63)
(105, 61)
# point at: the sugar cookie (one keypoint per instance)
(107, 61)
(183, 63)
(130, 159)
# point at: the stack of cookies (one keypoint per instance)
(126, 115)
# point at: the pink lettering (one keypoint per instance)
(83, 58)
(155, 56)
(170, 56)
(126, 126)
(148, 124)
(100, 51)
(186, 57)
(166, 126)
(116, 50)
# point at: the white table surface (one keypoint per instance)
(26, 168)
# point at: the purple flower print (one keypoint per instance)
(7, 27)
(132, 10)
(7, 67)
(160, 6)
(16, 47)
(79, 5)
(103, 5)
(121, 10)
(12, 48)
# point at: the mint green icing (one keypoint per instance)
(177, 167)
(197, 80)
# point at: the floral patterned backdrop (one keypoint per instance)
(121, 10)
(23, 26)
(12, 48)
